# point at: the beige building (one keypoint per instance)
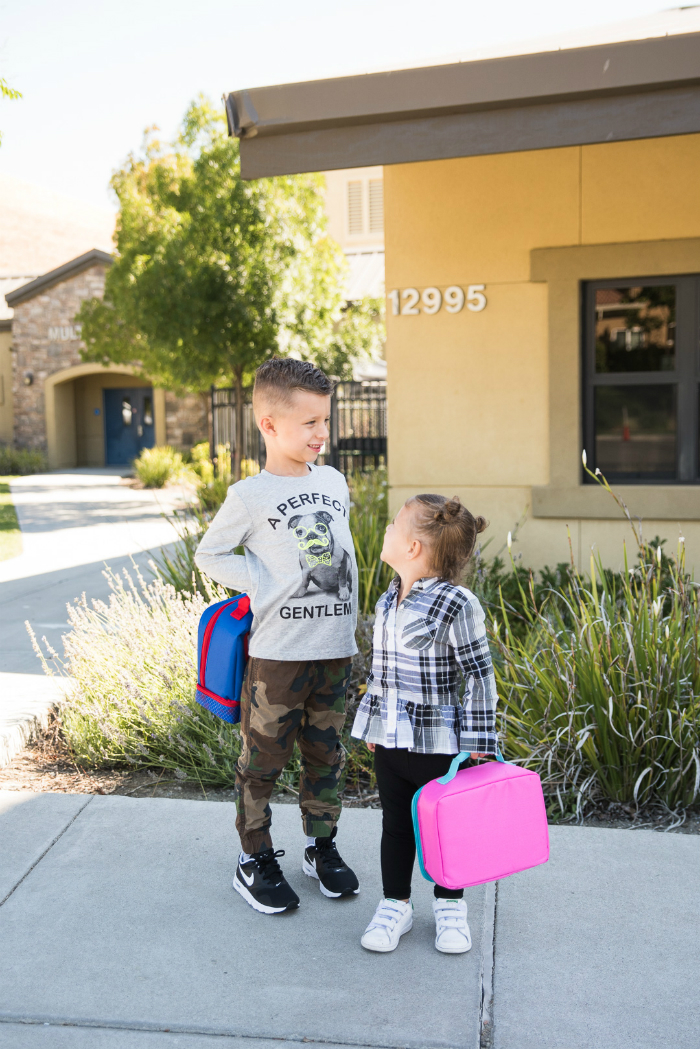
(85, 414)
(54, 253)
(542, 239)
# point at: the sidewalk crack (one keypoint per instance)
(48, 848)
(488, 962)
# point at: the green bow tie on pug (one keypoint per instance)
(324, 559)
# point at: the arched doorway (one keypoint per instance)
(76, 400)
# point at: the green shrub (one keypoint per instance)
(21, 461)
(214, 478)
(601, 696)
(156, 467)
(198, 458)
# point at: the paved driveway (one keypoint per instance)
(72, 523)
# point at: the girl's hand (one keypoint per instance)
(370, 747)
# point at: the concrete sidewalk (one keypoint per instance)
(72, 523)
(120, 929)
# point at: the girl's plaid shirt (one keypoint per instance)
(423, 649)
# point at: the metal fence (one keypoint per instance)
(358, 427)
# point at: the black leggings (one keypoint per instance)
(400, 773)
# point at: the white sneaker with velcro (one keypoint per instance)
(452, 934)
(391, 920)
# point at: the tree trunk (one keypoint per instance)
(238, 441)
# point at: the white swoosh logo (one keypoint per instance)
(250, 880)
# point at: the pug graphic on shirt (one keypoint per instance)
(322, 559)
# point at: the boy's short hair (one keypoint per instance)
(278, 379)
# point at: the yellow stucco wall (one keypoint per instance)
(469, 408)
(6, 414)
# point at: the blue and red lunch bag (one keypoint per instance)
(222, 653)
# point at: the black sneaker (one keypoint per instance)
(323, 861)
(262, 884)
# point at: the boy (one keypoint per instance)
(300, 573)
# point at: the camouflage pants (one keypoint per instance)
(284, 702)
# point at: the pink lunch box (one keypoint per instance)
(480, 824)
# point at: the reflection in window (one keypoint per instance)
(635, 431)
(148, 411)
(635, 329)
(127, 411)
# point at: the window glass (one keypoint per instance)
(635, 329)
(635, 431)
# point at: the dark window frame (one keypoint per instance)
(685, 376)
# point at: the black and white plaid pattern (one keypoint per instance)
(424, 649)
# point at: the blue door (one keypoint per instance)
(129, 428)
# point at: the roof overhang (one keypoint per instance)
(636, 89)
(47, 280)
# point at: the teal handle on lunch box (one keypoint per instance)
(416, 834)
(457, 761)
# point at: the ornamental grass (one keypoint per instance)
(369, 516)
(601, 695)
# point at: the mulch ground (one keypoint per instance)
(46, 766)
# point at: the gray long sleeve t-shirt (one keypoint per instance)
(299, 565)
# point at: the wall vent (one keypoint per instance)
(355, 217)
(376, 205)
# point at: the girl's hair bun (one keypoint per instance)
(448, 511)
(449, 530)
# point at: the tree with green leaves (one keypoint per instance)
(8, 92)
(213, 274)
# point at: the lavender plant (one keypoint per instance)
(131, 667)
(130, 664)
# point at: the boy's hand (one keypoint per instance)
(370, 747)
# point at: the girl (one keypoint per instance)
(428, 634)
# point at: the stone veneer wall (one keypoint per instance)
(33, 350)
(53, 312)
(186, 419)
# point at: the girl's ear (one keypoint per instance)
(414, 549)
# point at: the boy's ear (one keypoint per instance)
(294, 521)
(266, 425)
